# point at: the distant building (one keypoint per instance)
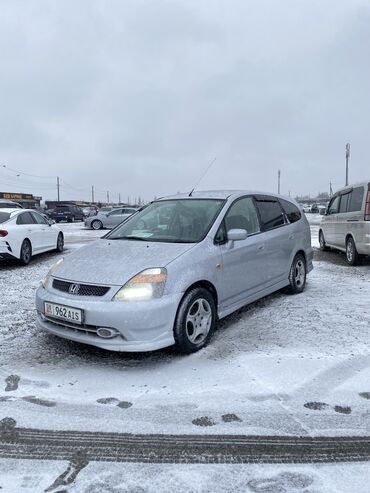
(27, 200)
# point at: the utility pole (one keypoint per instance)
(92, 194)
(58, 188)
(108, 197)
(348, 153)
(279, 176)
(119, 198)
(331, 190)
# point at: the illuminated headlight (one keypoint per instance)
(52, 269)
(147, 285)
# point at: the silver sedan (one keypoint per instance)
(109, 219)
(166, 275)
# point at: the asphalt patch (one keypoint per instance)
(12, 382)
(316, 406)
(365, 395)
(230, 418)
(78, 462)
(124, 404)
(343, 409)
(203, 421)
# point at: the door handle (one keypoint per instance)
(261, 247)
(291, 236)
(352, 220)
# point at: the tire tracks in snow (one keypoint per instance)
(26, 443)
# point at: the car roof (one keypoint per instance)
(224, 194)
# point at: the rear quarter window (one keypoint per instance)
(357, 197)
(292, 212)
(4, 216)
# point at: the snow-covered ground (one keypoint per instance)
(286, 365)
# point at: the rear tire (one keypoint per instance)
(297, 275)
(26, 252)
(60, 243)
(195, 321)
(352, 256)
(97, 224)
(323, 246)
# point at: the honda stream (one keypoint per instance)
(167, 274)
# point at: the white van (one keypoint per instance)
(346, 224)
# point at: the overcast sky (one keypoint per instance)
(137, 97)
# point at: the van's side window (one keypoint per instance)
(292, 212)
(243, 215)
(334, 205)
(356, 200)
(271, 213)
(344, 199)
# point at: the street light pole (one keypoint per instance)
(58, 188)
(279, 176)
(348, 153)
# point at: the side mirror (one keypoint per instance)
(236, 235)
(51, 222)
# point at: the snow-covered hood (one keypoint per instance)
(114, 262)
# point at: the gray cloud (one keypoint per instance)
(137, 97)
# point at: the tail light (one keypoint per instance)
(3, 233)
(367, 207)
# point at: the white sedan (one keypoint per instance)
(24, 233)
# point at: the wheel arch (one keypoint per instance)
(203, 283)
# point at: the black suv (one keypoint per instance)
(67, 212)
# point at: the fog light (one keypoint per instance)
(106, 333)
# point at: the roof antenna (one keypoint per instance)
(203, 175)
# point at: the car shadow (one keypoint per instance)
(336, 257)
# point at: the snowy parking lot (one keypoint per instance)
(283, 366)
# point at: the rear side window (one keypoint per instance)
(25, 218)
(271, 214)
(357, 197)
(292, 212)
(4, 216)
(344, 200)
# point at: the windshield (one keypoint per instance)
(4, 216)
(172, 221)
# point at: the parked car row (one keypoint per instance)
(25, 232)
(109, 218)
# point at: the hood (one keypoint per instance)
(114, 262)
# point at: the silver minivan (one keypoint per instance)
(167, 274)
(346, 224)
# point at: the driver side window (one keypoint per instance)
(334, 206)
(243, 215)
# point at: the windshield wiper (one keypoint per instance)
(134, 238)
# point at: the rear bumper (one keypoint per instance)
(6, 251)
(142, 326)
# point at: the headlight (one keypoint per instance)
(147, 285)
(45, 281)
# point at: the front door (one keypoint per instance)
(243, 262)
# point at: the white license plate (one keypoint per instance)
(63, 312)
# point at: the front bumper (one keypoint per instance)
(142, 326)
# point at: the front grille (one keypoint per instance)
(80, 289)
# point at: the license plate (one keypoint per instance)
(63, 312)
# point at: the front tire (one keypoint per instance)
(195, 321)
(297, 275)
(60, 243)
(26, 252)
(96, 224)
(323, 246)
(352, 256)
